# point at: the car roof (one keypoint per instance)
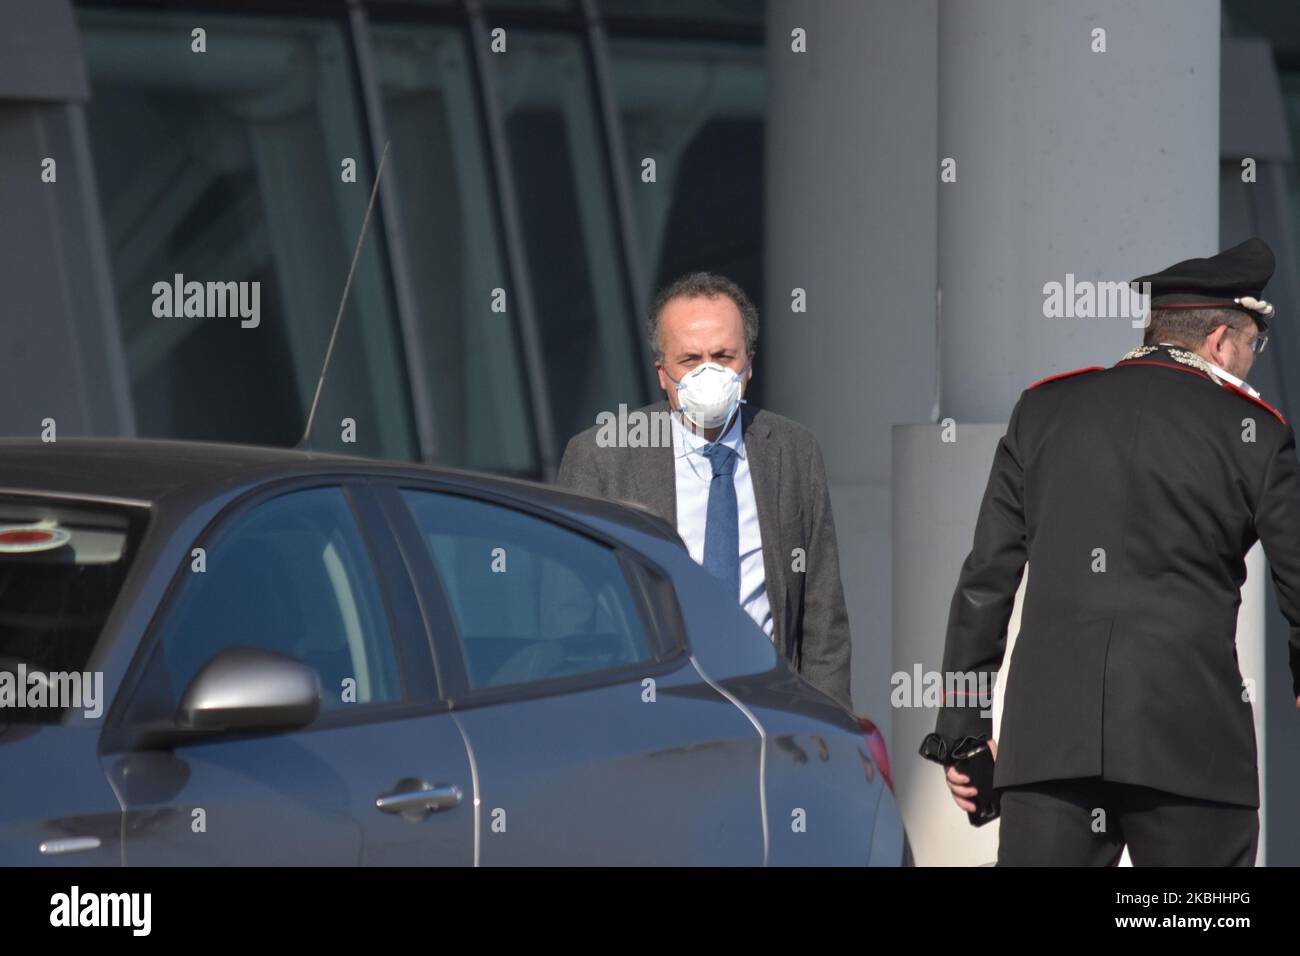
(139, 469)
(144, 471)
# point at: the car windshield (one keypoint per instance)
(62, 565)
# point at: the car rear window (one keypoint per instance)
(62, 565)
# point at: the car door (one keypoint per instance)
(594, 737)
(308, 571)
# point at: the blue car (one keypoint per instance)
(227, 655)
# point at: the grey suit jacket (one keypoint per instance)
(810, 622)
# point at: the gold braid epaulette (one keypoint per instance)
(1196, 362)
(1178, 355)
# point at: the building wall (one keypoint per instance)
(852, 201)
(926, 297)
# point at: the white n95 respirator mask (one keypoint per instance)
(709, 393)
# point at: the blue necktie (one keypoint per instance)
(722, 527)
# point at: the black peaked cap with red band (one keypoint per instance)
(1233, 279)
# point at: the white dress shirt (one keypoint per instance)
(1221, 373)
(1227, 376)
(694, 475)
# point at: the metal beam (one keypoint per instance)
(516, 253)
(390, 216)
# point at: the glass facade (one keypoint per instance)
(570, 237)
(227, 166)
(697, 110)
(471, 353)
(496, 284)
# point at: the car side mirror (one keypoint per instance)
(249, 689)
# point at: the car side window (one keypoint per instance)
(533, 601)
(291, 575)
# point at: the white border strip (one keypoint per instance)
(762, 752)
(473, 774)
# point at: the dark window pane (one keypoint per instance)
(532, 601)
(706, 209)
(748, 12)
(471, 353)
(698, 110)
(530, 6)
(292, 576)
(226, 167)
(572, 245)
(61, 567)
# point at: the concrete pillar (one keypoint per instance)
(850, 219)
(1083, 138)
(58, 317)
(1100, 165)
(1255, 661)
(1103, 165)
(937, 489)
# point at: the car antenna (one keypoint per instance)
(338, 319)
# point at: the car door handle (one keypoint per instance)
(69, 845)
(418, 797)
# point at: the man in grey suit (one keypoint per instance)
(745, 488)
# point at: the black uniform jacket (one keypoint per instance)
(1134, 493)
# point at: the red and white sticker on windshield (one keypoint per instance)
(26, 538)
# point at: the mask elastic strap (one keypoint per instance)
(725, 425)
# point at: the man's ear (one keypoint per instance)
(1214, 341)
(663, 377)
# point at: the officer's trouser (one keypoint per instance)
(1088, 821)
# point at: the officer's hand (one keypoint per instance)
(956, 780)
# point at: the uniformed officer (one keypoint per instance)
(1134, 492)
